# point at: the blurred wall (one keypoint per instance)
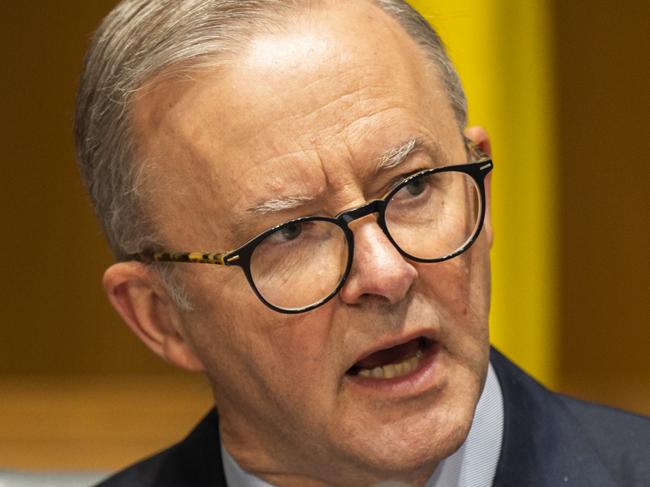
(59, 333)
(77, 390)
(55, 317)
(603, 131)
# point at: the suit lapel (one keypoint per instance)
(195, 461)
(543, 445)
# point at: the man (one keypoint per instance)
(319, 146)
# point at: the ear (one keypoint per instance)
(137, 294)
(479, 136)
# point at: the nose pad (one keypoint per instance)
(378, 269)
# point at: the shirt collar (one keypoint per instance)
(474, 464)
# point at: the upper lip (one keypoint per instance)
(427, 333)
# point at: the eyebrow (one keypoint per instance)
(398, 155)
(280, 204)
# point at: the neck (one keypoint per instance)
(331, 473)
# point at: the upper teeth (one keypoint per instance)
(394, 370)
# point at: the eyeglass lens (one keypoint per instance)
(300, 264)
(430, 217)
(434, 215)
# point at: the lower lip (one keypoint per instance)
(422, 379)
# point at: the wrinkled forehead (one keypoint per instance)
(303, 110)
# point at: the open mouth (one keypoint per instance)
(393, 362)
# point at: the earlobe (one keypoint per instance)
(480, 137)
(139, 298)
(177, 352)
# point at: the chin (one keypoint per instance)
(408, 449)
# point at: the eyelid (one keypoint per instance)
(404, 177)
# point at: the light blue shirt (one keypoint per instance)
(474, 464)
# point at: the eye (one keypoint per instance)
(416, 187)
(291, 231)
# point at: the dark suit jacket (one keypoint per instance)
(549, 440)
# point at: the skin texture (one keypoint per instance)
(306, 111)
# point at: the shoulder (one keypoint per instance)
(143, 473)
(622, 439)
(195, 461)
(551, 439)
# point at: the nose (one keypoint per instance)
(378, 269)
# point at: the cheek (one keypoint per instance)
(459, 291)
(448, 285)
(300, 341)
(460, 286)
(245, 345)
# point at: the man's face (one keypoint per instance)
(303, 116)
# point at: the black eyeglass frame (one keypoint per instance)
(241, 256)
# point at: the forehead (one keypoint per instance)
(305, 110)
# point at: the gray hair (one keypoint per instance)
(142, 39)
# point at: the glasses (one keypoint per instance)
(430, 216)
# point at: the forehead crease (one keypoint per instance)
(292, 177)
(355, 84)
(325, 106)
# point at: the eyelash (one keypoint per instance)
(402, 177)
